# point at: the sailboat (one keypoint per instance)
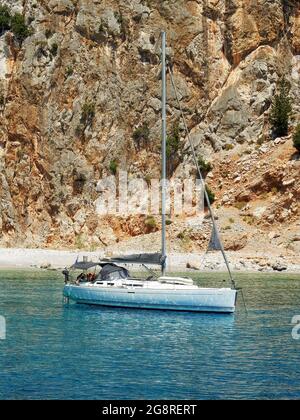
(113, 286)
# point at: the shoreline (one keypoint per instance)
(23, 258)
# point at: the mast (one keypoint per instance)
(164, 151)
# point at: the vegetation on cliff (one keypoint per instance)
(141, 136)
(281, 110)
(5, 18)
(173, 149)
(296, 138)
(211, 196)
(14, 22)
(204, 166)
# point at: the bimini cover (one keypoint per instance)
(153, 259)
(109, 269)
(83, 265)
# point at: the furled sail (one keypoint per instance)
(214, 243)
(152, 259)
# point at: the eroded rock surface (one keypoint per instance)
(76, 90)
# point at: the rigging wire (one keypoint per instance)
(201, 177)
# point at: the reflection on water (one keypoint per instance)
(81, 352)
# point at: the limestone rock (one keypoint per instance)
(235, 242)
(75, 93)
(61, 6)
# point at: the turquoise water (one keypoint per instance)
(54, 351)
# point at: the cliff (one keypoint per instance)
(80, 100)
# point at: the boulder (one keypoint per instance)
(235, 242)
(278, 266)
(45, 266)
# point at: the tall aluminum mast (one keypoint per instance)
(164, 151)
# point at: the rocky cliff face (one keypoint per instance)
(87, 78)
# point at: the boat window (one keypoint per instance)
(117, 275)
(110, 284)
(111, 272)
(134, 285)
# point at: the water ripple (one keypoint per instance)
(80, 352)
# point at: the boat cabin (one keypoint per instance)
(111, 274)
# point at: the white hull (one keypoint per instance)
(192, 300)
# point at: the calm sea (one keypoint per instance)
(54, 351)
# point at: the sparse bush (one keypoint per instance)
(181, 236)
(5, 18)
(250, 220)
(148, 179)
(54, 49)
(16, 23)
(205, 167)
(229, 147)
(185, 238)
(231, 220)
(261, 140)
(281, 110)
(168, 222)
(150, 223)
(173, 142)
(113, 167)
(88, 113)
(141, 135)
(264, 195)
(296, 138)
(240, 205)
(173, 149)
(211, 196)
(2, 101)
(69, 71)
(19, 27)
